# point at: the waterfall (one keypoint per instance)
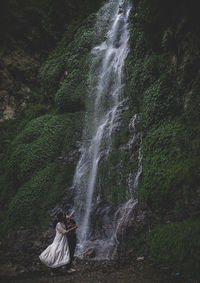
(105, 89)
(133, 179)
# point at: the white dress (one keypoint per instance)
(57, 254)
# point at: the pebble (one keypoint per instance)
(140, 258)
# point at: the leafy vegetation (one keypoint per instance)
(29, 149)
(40, 24)
(170, 170)
(31, 175)
(33, 179)
(177, 244)
(161, 86)
(64, 75)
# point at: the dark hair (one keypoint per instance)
(60, 216)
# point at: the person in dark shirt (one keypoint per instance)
(70, 224)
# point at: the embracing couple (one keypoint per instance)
(61, 251)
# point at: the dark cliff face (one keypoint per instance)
(39, 148)
(164, 84)
(29, 31)
(43, 67)
(163, 81)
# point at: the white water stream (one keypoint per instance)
(105, 102)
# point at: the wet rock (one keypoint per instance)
(71, 157)
(18, 74)
(7, 105)
(136, 221)
(90, 253)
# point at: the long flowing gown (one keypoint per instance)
(57, 254)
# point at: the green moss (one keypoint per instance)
(70, 96)
(35, 110)
(177, 244)
(169, 168)
(25, 207)
(161, 102)
(9, 129)
(64, 74)
(74, 131)
(36, 146)
(122, 161)
(34, 197)
(33, 179)
(49, 75)
(167, 98)
(163, 84)
(146, 75)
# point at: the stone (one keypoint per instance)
(140, 258)
(90, 253)
(22, 270)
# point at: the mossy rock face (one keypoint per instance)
(25, 207)
(38, 144)
(178, 245)
(64, 74)
(34, 179)
(117, 171)
(70, 96)
(34, 198)
(160, 87)
(163, 84)
(161, 102)
(169, 168)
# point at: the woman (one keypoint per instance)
(57, 254)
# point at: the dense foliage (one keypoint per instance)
(163, 82)
(32, 178)
(168, 99)
(40, 23)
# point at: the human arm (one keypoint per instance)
(60, 228)
(73, 228)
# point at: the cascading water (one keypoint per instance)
(134, 178)
(105, 105)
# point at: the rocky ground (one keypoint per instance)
(137, 269)
(19, 262)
